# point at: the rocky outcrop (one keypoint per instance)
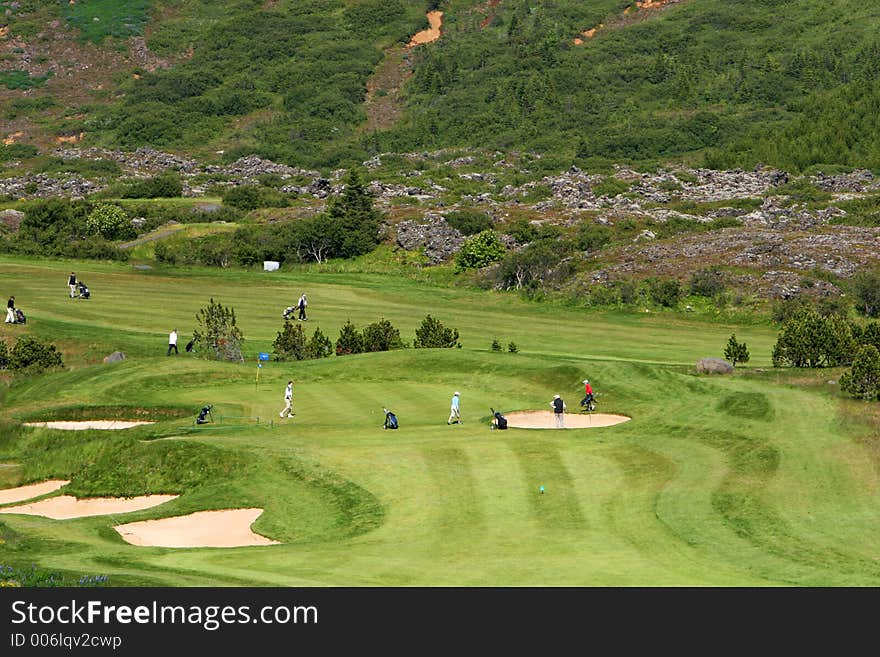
(440, 240)
(115, 357)
(714, 366)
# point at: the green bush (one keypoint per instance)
(469, 222)
(736, 352)
(480, 250)
(863, 380)
(165, 185)
(707, 282)
(512, 348)
(610, 186)
(866, 288)
(4, 355)
(432, 334)
(290, 343)
(591, 236)
(319, 345)
(32, 355)
(496, 346)
(664, 292)
(17, 152)
(216, 335)
(350, 340)
(810, 340)
(381, 336)
(251, 197)
(111, 222)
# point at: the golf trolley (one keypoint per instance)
(588, 403)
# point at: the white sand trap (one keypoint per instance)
(66, 507)
(80, 425)
(12, 495)
(226, 528)
(546, 420)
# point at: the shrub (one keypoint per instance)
(432, 334)
(707, 282)
(610, 186)
(319, 345)
(512, 348)
(863, 380)
(381, 336)
(4, 355)
(31, 354)
(664, 292)
(736, 352)
(866, 288)
(165, 185)
(810, 340)
(109, 221)
(216, 335)
(591, 237)
(469, 222)
(496, 346)
(290, 343)
(350, 340)
(480, 250)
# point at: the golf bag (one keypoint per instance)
(205, 415)
(83, 290)
(288, 312)
(390, 420)
(189, 345)
(19, 317)
(500, 420)
(588, 403)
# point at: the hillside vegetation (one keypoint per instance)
(709, 81)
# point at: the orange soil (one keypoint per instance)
(435, 20)
(10, 139)
(641, 4)
(12, 495)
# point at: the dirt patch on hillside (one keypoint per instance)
(226, 528)
(66, 507)
(435, 21)
(82, 425)
(13, 495)
(547, 420)
(644, 10)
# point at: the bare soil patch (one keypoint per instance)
(66, 507)
(225, 528)
(546, 420)
(435, 20)
(12, 495)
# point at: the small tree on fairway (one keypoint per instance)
(290, 343)
(496, 346)
(736, 352)
(512, 348)
(319, 345)
(432, 334)
(350, 340)
(216, 335)
(863, 380)
(381, 336)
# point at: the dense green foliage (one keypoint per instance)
(866, 287)
(29, 354)
(291, 343)
(433, 334)
(217, 334)
(736, 352)
(479, 251)
(809, 339)
(110, 222)
(863, 379)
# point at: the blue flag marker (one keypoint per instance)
(264, 355)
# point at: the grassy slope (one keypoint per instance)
(739, 480)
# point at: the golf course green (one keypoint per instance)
(751, 479)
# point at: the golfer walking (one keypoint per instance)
(71, 283)
(301, 304)
(10, 311)
(558, 411)
(454, 414)
(172, 342)
(288, 401)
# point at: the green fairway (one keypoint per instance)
(737, 480)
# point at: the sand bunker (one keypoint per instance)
(80, 425)
(546, 420)
(12, 495)
(66, 507)
(226, 528)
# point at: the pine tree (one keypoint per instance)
(736, 352)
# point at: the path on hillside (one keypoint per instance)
(644, 9)
(384, 101)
